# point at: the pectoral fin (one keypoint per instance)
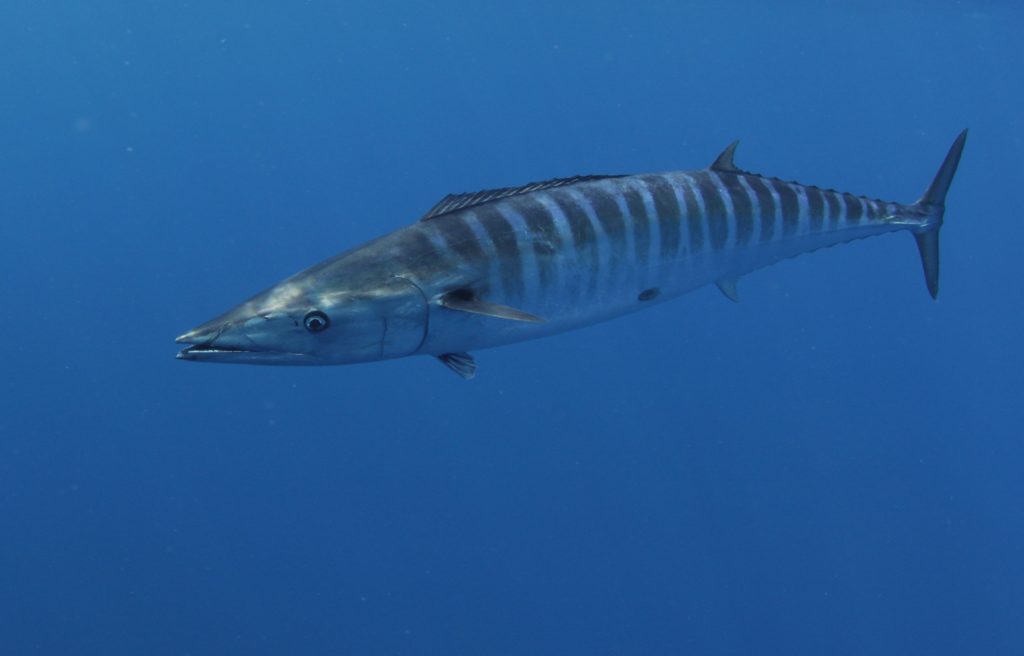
(465, 301)
(461, 363)
(728, 287)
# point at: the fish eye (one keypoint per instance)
(316, 321)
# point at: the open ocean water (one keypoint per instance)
(833, 466)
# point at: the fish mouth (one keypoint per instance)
(208, 348)
(196, 351)
(202, 346)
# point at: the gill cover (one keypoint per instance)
(405, 319)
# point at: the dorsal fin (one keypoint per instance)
(453, 202)
(724, 162)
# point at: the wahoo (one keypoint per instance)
(505, 265)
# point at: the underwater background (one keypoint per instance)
(833, 466)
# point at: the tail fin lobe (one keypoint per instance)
(928, 247)
(932, 207)
(935, 196)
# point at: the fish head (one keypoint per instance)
(296, 323)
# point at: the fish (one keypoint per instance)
(504, 265)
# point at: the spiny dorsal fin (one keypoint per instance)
(461, 363)
(724, 161)
(453, 202)
(466, 301)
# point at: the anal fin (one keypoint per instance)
(461, 363)
(728, 287)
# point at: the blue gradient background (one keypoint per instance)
(831, 467)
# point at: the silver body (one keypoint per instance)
(487, 269)
(585, 279)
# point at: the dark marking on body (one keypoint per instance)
(790, 206)
(503, 236)
(460, 238)
(642, 229)
(832, 206)
(694, 217)
(583, 235)
(742, 207)
(714, 206)
(612, 222)
(766, 205)
(542, 233)
(853, 208)
(666, 207)
(816, 207)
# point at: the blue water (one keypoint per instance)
(832, 466)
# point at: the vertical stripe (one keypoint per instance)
(493, 276)
(669, 216)
(566, 260)
(602, 275)
(694, 214)
(839, 217)
(768, 202)
(506, 246)
(543, 234)
(440, 246)
(426, 250)
(833, 206)
(653, 227)
(853, 208)
(729, 216)
(458, 237)
(613, 189)
(641, 225)
(714, 210)
(684, 204)
(790, 206)
(742, 206)
(756, 211)
(613, 223)
(803, 219)
(583, 238)
(527, 256)
(816, 207)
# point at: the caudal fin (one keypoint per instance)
(933, 205)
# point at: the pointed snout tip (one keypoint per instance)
(187, 338)
(198, 335)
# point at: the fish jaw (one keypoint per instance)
(223, 345)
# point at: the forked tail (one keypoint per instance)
(932, 205)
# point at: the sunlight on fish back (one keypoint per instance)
(505, 265)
